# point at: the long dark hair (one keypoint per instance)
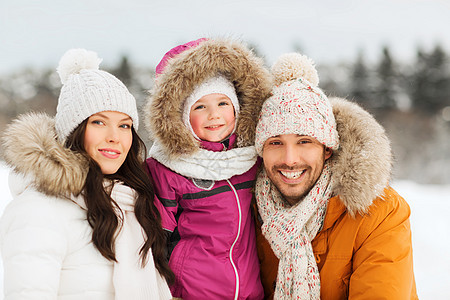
(101, 207)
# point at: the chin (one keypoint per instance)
(109, 171)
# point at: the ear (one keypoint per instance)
(328, 152)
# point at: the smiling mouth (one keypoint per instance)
(213, 126)
(292, 174)
(110, 152)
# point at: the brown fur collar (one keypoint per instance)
(362, 164)
(163, 112)
(31, 149)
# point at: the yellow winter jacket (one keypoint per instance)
(364, 257)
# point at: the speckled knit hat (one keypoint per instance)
(297, 105)
(87, 90)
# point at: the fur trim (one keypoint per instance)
(362, 165)
(164, 109)
(31, 149)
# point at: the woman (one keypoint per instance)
(82, 223)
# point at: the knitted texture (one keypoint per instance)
(206, 164)
(291, 66)
(296, 105)
(215, 85)
(290, 231)
(87, 91)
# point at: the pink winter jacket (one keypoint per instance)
(212, 242)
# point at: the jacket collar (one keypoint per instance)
(226, 144)
(335, 208)
(361, 167)
(32, 150)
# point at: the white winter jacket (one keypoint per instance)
(47, 249)
(45, 238)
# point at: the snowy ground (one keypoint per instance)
(430, 220)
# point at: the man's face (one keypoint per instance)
(294, 163)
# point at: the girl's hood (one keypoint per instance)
(164, 109)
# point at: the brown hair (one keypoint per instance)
(101, 207)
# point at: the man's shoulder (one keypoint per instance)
(387, 212)
(389, 203)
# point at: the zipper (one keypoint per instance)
(236, 294)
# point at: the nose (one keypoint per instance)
(213, 113)
(291, 155)
(112, 135)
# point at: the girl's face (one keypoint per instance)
(108, 139)
(212, 117)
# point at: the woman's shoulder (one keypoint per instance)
(30, 207)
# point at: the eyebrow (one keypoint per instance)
(298, 135)
(104, 116)
(221, 97)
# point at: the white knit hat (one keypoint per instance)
(87, 90)
(297, 105)
(215, 85)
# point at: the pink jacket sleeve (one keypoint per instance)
(166, 195)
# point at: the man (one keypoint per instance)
(331, 227)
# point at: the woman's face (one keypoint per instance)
(108, 139)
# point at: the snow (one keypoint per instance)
(430, 222)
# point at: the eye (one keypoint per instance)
(304, 141)
(98, 122)
(125, 126)
(197, 107)
(274, 143)
(223, 103)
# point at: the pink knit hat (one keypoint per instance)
(175, 51)
(297, 105)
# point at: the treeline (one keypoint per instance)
(38, 90)
(422, 85)
(412, 101)
(32, 89)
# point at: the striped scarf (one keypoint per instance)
(290, 231)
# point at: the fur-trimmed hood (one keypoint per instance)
(361, 167)
(31, 149)
(163, 112)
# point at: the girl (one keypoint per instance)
(82, 223)
(202, 116)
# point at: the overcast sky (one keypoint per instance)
(37, 32)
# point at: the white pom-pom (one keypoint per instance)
(291, 66)
(75, 60)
